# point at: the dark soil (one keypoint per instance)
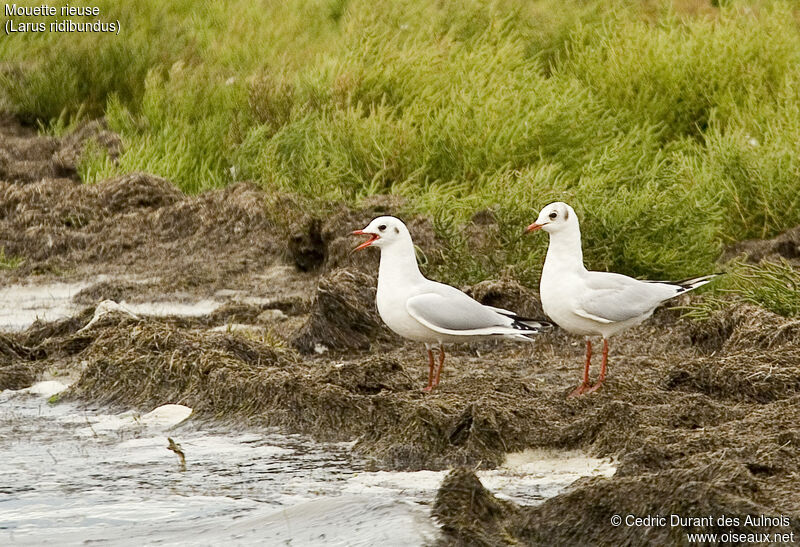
(702, 418)
(341, 316)
(786, 246)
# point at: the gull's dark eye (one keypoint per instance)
(382, 227)
(553, 214)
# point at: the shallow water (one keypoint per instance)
(71, 475)
(21, 305)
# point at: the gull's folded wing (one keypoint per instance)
(459, 315)
(611, 298)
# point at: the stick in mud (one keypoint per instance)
(175, 447)
(89, 424)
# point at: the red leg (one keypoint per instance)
(441, 366)
(430, 372)
(581, 389)
(603, 367)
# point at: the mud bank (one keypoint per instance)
(701, 417)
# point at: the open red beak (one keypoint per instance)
(533, 227)
(372, 239)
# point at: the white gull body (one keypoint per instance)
(593, 303)
(427, 311)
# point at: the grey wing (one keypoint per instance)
(454, 314)
(612, 298)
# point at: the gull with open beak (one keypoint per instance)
(426, 311)
(593, 303)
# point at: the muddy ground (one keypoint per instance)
(703, 418)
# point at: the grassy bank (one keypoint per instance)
(671, 127)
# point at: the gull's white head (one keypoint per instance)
(383, 232)
(554, 218)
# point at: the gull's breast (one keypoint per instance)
(393, 312)
(558, 295)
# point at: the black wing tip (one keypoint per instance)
(699, 277)
(688, 281)
(691, 283)
(532, 325)
(521, 319)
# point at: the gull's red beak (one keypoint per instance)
(372, 239)
(533, 227)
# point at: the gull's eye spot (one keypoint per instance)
(382, 227)
(553, 215)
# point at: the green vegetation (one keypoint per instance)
(672, 129)
(774, 286)
(9, 262)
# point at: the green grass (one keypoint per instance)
(774, 286)
(672, 131)
(9, 262)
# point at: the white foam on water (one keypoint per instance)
(527, 478)
(161, 419)
(166, 416)
(530, 477)
(45, 389)
(542, 461)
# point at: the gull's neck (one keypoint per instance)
(564, 252)
(398, 266)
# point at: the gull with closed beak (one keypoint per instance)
(594, 303)
(426, 311)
